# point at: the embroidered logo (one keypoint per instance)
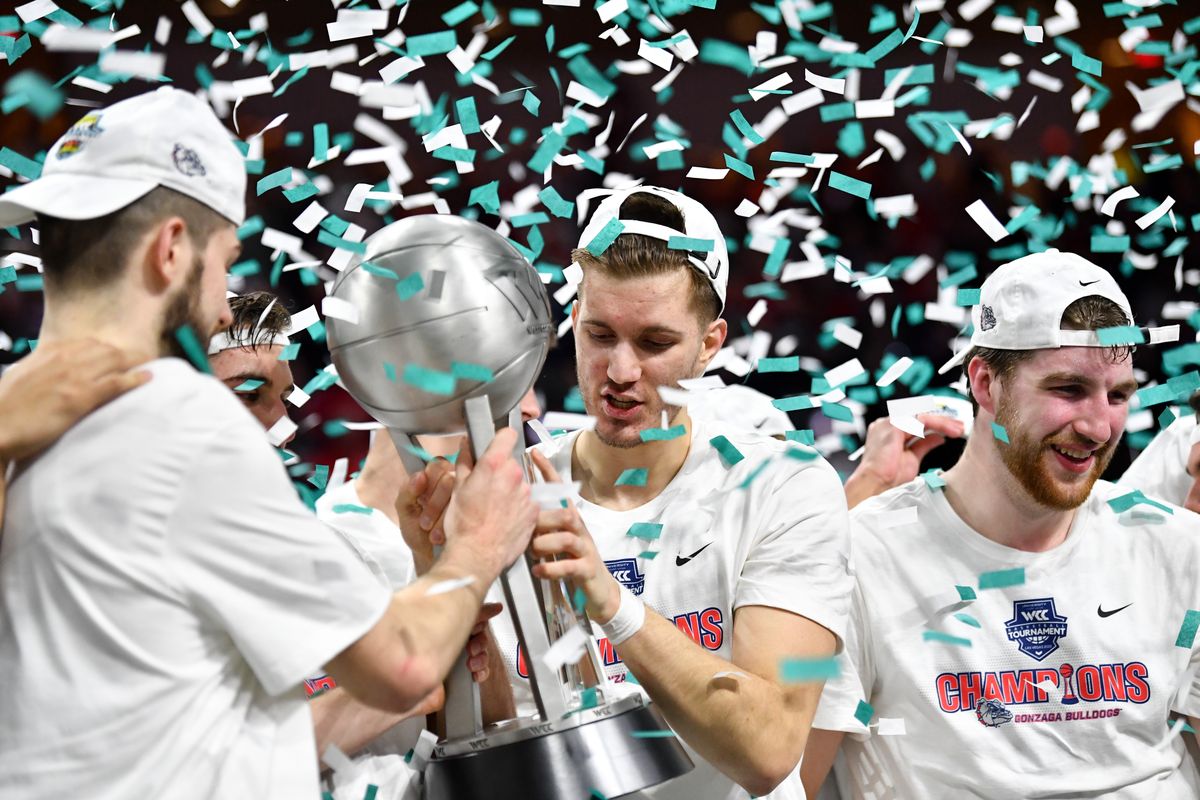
(987, 318)
(1036, 627)
(78, 135)
(187, 162)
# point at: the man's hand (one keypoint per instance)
(421, 508)
(52, 389)
(491, 514)
(477, 655)
(561, 532)
(891, 457)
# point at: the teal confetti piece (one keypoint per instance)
(289, 352)
(775, 260)
(691, 243)
(744, 127)
(595, 794)
(1187, 631)
(837, 411)
(372, 790)
(739, 166)
(468, 116)
(633, 477)
(645, 530)
(532, 218)
(378, 271)
(662, 434)
(552, 200)
(845, 183)
(337, 242)
(320, 141)
(295, 76)
(966, 593)
(864, 712)
(604, 239)
(1127, 501)
(470, 372)
(430, 380)
(431, 44)
(652, 734)
(589, 698)
(799, 402)
(1002, 578)
(999, 432)
(498, 49)
(1085, 63)
(409, 287)
(460, 13)
(389, 371)
(301, 193)
(579, 600)
(808, 670)
(1121, 334)
(729, 454)
(531, 102)
(486, 197)
(191, 347)
(248, 385)
(945, 638)
(275, 179)
(350, 508)
(448, 153)
(934, 480)
(648, 554)
(785, 364)
(967, 619)
(968, 297)
(25, 167)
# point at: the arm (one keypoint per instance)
(819, 755)
(340, 720)
(891, 457)
(409, 652)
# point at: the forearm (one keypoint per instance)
(863, 485)
(495, 693)
(746, 726)
(342, 721)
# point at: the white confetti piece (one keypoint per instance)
(133, 62)
(757, 312)
(1044, 81)
(1033, 33)
(610, 10)
(339, 762)
(809, 98)
(310, 217)
(847, 335)
(567, 649)
(347, 29)
(729, 674)
(765, 88)
(280, 432)
(658, 56)
(88, 83)
(566, 420)
(1150, 217)
(844, 372)
(891, 726)
(874, 109)
(302, 320)
(162, 31)
(422, 750)
(831, 85)
(577, 91)
(893, 373)
(451, 585)
(1156, 98)
(746, 208)
(1110, 204)
(196, 17)
(707, 173)
(36, 10)
(971, 9)
(60, 38)
(986, 220)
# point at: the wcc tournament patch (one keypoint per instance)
(1036, 627)
(625, 570)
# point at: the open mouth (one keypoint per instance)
(624, 404)
(1077, 461)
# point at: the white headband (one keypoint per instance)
(223, 341)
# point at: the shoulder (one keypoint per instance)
(1125, 510)
(731, 459)
(895, 516)
(178, 391)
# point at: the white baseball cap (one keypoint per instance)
(115, 155)
(1021, 305)
(698, 223)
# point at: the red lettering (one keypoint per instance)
(711, 633)
(991, 686)
(608, 653)
(970, 688)
(947, 692)
(1088, 683)
(1014, 685)
(1135, 679)
(1041, 676)
(1113, 678)
(322, 684)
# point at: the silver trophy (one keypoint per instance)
(442, 296)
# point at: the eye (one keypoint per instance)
(1070, 390)
(1119, 398)
(650, 344)
(599, 337)
(249, 398)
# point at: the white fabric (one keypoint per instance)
(1021, 304)
(163, 594)
(740, 407)
(906, 574)
(629, 619)
(779, 542)
(1161, 469)
(114, 155)
(377, 541)
(698, 223)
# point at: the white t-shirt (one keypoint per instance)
(1161, 469)
(1109, 602)
(163, 594)
(769, 531)
(377, 541)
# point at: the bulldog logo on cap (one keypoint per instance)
(987, 318)
(187, 162)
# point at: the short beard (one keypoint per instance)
(184, 309)
(1023, 457)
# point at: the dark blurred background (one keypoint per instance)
(984, 78)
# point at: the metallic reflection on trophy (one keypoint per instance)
(446, 303)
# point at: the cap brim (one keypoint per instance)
(69, 196)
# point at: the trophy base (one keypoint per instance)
(595, 749)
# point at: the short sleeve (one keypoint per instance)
(372, 536)
(289, 592)
(856, 674)
(798, 558)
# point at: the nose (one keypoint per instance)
(623, 365)
(530, 407)
(224, 317)
(1095, 422)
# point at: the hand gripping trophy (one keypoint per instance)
(450, 302)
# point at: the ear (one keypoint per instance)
(714, 338)
(984, 383)
(169, 255)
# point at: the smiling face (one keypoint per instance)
(633, 335)
(1064, 411)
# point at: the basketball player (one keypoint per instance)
(749, 532)
(163, 593)
(1028, 630)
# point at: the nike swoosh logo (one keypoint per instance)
(681, 560)
(1089, 283)
(1104, 613)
